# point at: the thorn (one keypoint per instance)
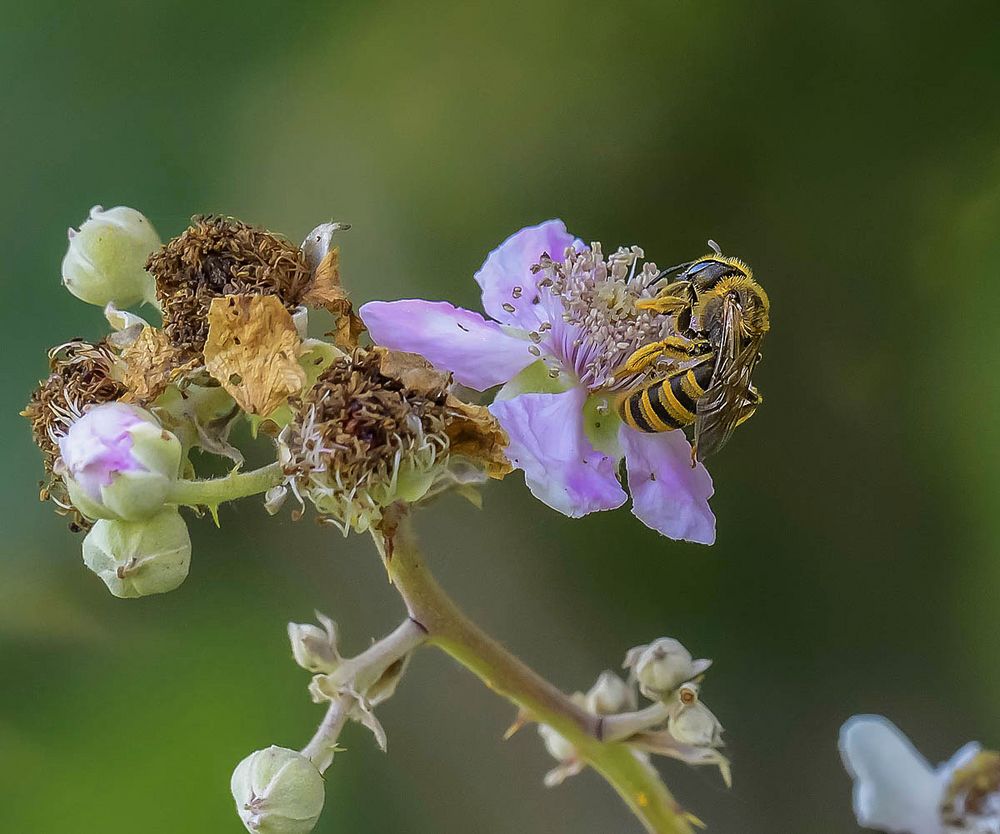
(520, 721)
(691, 818)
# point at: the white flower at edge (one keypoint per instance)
(895, 788)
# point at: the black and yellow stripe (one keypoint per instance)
(669, 403)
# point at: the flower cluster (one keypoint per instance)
(677, 724)
(117, 420)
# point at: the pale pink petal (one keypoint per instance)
(479, 352)
(509, 287)
(98, 446)
(667, 494)
(560, 466)
(895, 789)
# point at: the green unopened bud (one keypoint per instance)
(314, 648)
(278, 791)
(106, 259)
(610, 694)
(662, 666)
(118, 462)
(139, 558)
(691, 722)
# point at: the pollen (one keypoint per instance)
(599, 299)
(216, 257)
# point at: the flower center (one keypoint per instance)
(594, 325)
(971, 803)
(359, 433)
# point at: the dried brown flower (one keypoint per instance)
(216, 257)
(82, 374)
(377, 427)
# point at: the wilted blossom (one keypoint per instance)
(897, 790)
(563, 321)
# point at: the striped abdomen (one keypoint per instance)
(670, 403)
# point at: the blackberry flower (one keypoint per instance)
(564, 318)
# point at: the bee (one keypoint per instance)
(721, 315)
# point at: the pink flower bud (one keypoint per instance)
(118, 462)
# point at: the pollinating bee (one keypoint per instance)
(720, 316)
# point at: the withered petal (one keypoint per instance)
(252, 349)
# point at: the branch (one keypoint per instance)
(635, 780)
(352, 681)
(215, 491)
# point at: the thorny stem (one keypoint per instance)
(448, 628)
(215, 491)
(355, 675)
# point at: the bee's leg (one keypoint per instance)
(670, 299)
(673, 347)
(747, 410)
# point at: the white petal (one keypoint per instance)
(895, 789)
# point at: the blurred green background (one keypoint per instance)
(848, 151)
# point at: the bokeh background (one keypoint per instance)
(849, 151)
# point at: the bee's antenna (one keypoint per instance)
(670, 270)
(715, 247)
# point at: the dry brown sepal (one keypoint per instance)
(325, 290)
(473, 432)
(416, 373)
(253, 349)
(150, 364)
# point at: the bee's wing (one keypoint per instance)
(724, 405)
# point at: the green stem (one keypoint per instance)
(636, 781)
(217, 491)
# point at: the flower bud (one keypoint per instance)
(118, 462)
(278, 791)
(691, 722)
(315, 648)
(610, 694)
(106, 259)
(662, 666)
(139, 558)
(558, 747)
